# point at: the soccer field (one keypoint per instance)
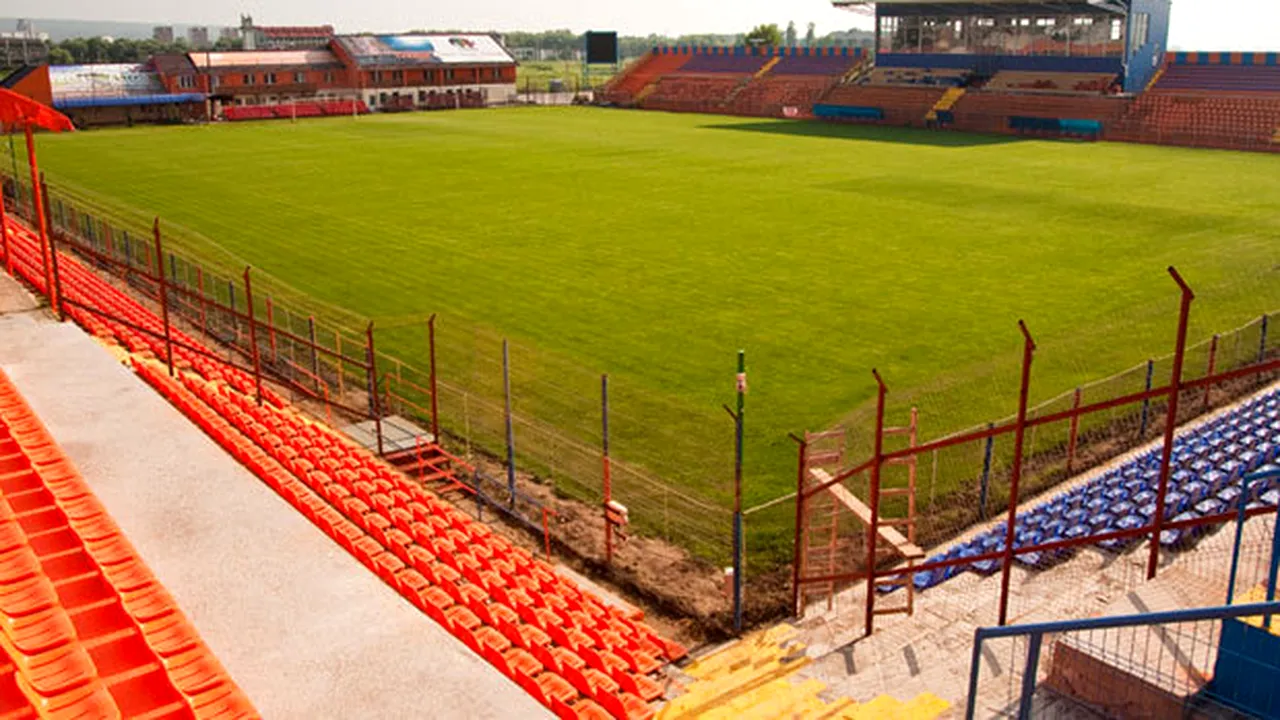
(653, 246)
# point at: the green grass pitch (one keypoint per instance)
(652, 246)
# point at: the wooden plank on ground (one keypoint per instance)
(889, 534)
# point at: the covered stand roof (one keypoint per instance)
(998, 7)
(110, 85)
(266, 60)
(399, 51)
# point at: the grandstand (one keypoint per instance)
(242, 544)
(107, 94)
(1090, 70)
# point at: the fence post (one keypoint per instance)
(1262, 340)
(56, 295)
(373, 386)
(797, 549)
(606, 467)
(253, 335)
(1029, 676)
(737, 491)
(432, 379)
(986, 474)
(1006, 565)
(1171, 419)
(1146, 401)
(271, 329)
(511, 436)
(873, 528)
(340, 364)
(4, 232)
(37, 210)
(1075, 432)
(1213, 358)
(204, 308)
(315, 352)
(164, 297)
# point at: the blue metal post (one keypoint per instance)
(1029, 677)
(1275, 567)
(1235, 546)
(1146, 402)
(986, 475)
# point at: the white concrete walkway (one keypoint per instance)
(304, 629)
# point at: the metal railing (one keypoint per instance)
(1094, 664)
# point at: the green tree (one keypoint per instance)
(764, 35)
(791, 34)
(810, 35)
(60, 56)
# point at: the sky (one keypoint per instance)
(1197, 24)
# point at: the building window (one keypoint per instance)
(1141, 31)
(299, 77)
(269, 79)
(1116, 28)
(377, 76)
(186, 81)
(373, 100)
(448, 75)
(397, 76)
(328, 77)
(248, 78)
(215, 81)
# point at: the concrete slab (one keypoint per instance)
(304, 628)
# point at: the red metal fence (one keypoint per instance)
(865, 476)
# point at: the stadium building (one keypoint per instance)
(108, 94)
(252, 77)
(404, 72)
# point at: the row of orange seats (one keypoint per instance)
(147, 331)
(563, 646)
(86, 627)
(365, 489)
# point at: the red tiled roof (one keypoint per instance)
(291, 31)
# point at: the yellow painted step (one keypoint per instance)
(646, 91)
(1156, 78)
(925, 706)
(946, 102)
(768, 66)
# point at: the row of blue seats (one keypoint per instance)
(1207, 468)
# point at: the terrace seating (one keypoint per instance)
(626, 87)
(1203, 120)
(1250, 80)
(828, 65)
(770, 95)
(1063, 82)
(990, 111)
(895, 105)
(291, 110)
(1205, 479)
(729, 64)
(87, 631)
(680, 93)
(562, 645)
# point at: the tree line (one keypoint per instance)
(83, 51)
(566, 44)
(562, 44)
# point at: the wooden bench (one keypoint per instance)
(888, 533)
